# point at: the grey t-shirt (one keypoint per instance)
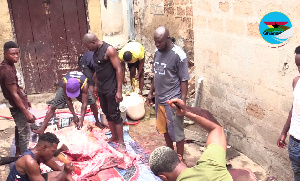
(170, 69)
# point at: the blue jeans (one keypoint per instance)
(294, 154)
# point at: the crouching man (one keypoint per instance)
(168, 165)
(27, 167)
(73, 85)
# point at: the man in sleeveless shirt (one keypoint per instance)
(293, 125)
(15, 96)
(27, 167)
(73, 85)
(108, 85)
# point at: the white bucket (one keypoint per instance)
(123, 112)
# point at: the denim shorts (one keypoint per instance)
(294, 155)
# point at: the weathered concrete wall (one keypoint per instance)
(94, 16)
(5, 25)
(112, 17)
(245, 84)
(176, 15)
(6, 31)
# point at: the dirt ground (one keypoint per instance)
(143, 133)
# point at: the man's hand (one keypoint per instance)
(69, 167)
(137, 76)
(178, 105)
(119, 97)
(124, 81)
(281, 141)
(79, 124)
(30, 118)
(149, 100)
(75, 119)
(95, 91)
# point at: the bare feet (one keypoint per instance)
(111, 139)
(38, 131)
(100, 125)
(121, 147)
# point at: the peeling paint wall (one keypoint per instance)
(247, 84)
(94, 17)
(5, 25)
(7, 33)
(112, 17)
(176, 15)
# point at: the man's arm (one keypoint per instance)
(32, 169)
(184, 89)
(12, 88)
(123, 72)
(53, 165)
(95, 91)
(141, 66)
(281, 140)
(216, 132)
(113, 56)
(84, 99)
(203, 113)
(70, 103)
(150, 94)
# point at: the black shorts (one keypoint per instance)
(136, 65)
(110, 107)
(45, 175)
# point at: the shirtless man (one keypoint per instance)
(27, 167)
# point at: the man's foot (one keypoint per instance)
(100, 125)
(111, 139)
(121, 147)
(38, 131)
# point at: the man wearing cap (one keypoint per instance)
(134, 54)
(73, 85)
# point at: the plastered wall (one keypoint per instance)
(247, 84)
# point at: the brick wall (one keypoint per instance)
(176, 15)
(245, 83)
